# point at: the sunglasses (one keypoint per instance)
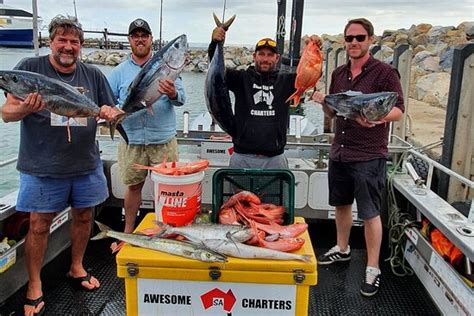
(359, 38)
(271, 43)
(136, 36)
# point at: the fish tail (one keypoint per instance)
(296, 99)
(163, 228)
(226, 24)
(116, 125)
(103, 231)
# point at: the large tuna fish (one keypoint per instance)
(217, 96)
(165, 64)
(373, 106)
(308, 72)
(59, 97)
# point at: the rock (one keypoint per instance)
(433, 88)
(468, 28)
(446, 60)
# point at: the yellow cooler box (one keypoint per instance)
(157, 283)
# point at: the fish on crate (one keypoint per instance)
(373, 106)
(59, 97)
(265, 219)
(165, 64)
(240, 250)
(198, 232)
(308, 72)
(170, 246)
(216, 92)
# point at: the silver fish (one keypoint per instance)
(373, 106)
(171, 246)
(165, 64)
(59, 97)
(217, 95)
(239, 250)
(198, 232)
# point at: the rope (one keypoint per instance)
(398, 222)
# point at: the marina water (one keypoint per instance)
(10, 133)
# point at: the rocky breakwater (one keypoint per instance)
(432, 48)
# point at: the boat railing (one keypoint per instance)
(456, 226)
(8, 162)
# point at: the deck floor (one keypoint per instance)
(337, 291)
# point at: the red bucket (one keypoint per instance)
(177, 198)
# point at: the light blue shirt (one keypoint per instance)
(143, 127)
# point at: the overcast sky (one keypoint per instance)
(255, 18)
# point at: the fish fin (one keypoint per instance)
(116, 125)
(226, 24)
(103, 231)
(296, 99)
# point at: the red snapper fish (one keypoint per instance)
(308, 72)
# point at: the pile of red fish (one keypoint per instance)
(246, 208)
(176, 168)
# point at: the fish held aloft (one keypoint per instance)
(308, 72)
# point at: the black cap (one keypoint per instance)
(139, 24)
(267, 43)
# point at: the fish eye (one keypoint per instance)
(176, 45)
(208, 255)
(15, 79)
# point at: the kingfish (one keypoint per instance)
(171, 246)
(165, 64)
(198, 232)
(217, 95)
(235, 249)
(59, 97)
(373, 106)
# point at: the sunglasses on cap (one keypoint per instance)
(266, 42)
(359, 38)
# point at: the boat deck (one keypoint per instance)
(337, 291)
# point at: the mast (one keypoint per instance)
(161, 23)
(291, 60)
(35, 26)
(75, 11)
(281, 32)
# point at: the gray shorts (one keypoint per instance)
(258, 161)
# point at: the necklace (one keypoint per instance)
(62, 79)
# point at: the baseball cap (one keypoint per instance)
(266, 43)
(139, 24)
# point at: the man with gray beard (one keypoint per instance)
(55, 173)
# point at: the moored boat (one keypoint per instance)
(16, 26)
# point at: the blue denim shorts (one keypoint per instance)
(46, 194)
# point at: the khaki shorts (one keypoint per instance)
(147, 155)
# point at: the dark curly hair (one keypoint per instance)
(69, 25)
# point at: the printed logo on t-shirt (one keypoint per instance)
(264, 94)
(59, 120)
